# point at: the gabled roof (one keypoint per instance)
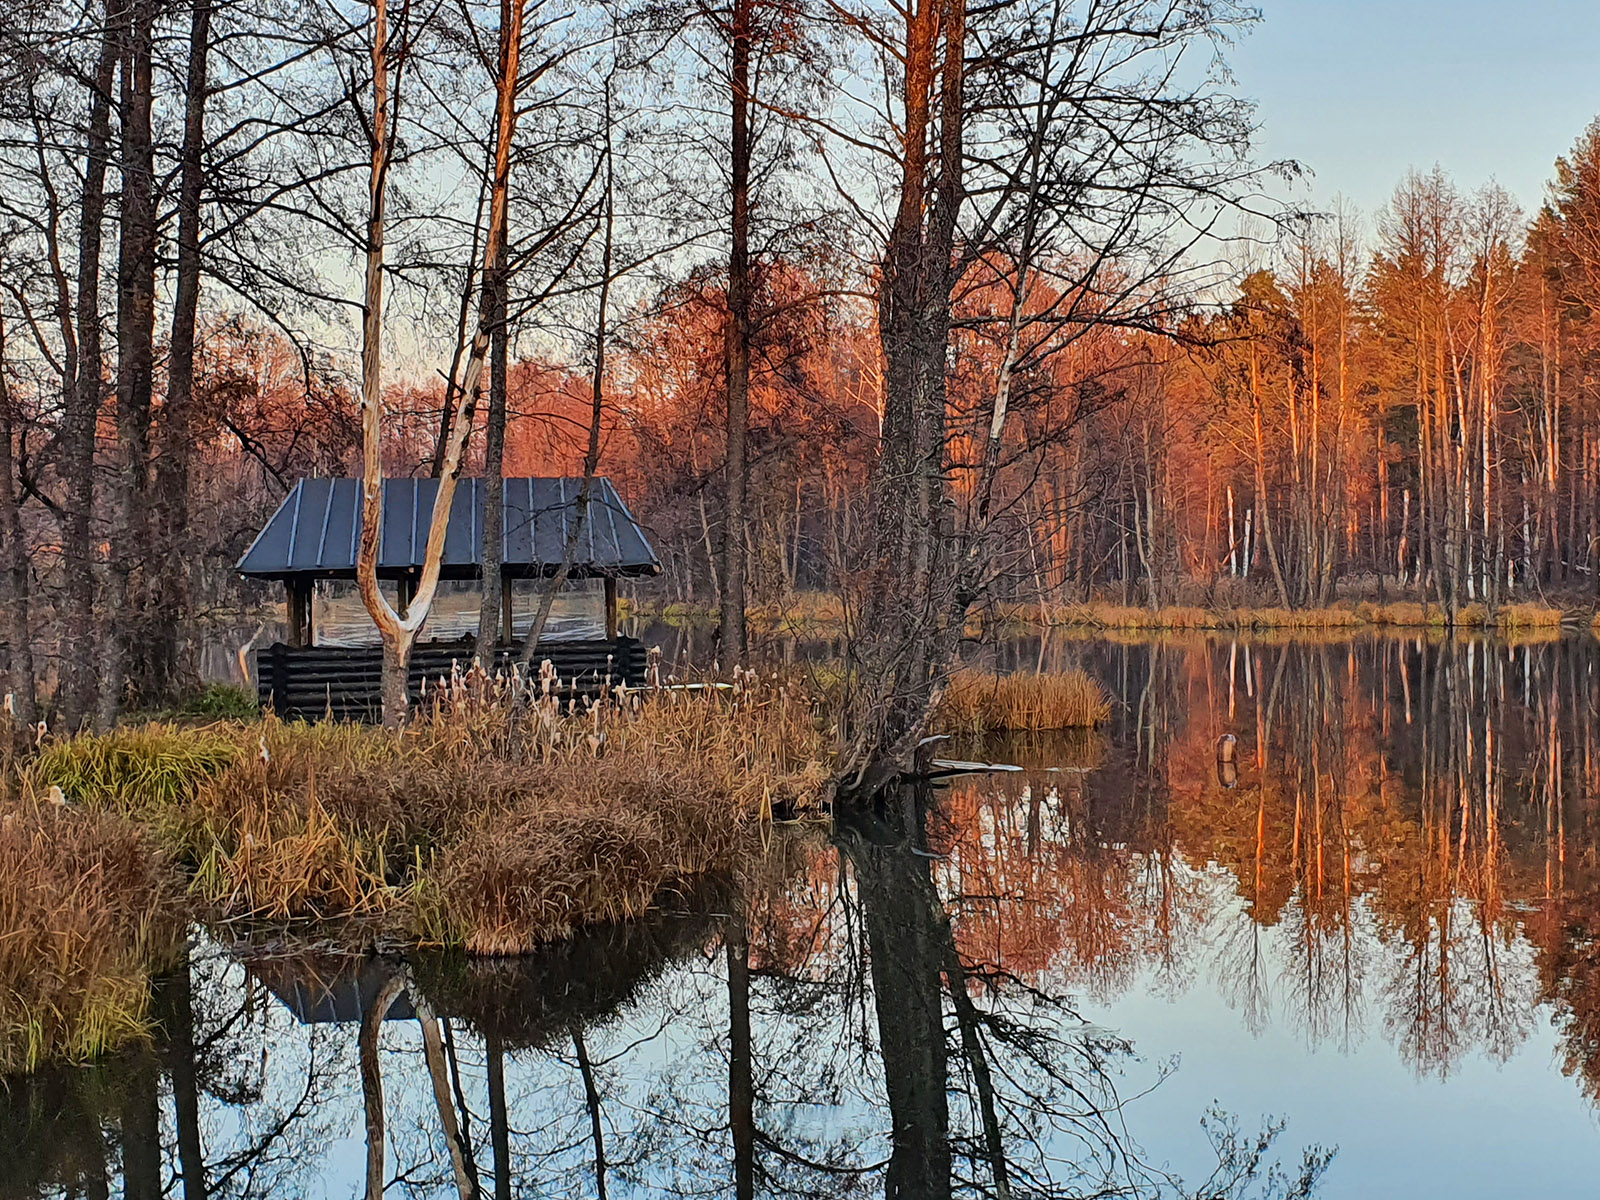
(317, 529)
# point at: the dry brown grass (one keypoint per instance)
(87, 907)
(1529, 616)
(798, 611)
(980, 701)
(1408, 614)
(683, 783)
(501, 818)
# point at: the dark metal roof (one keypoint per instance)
(317, 529)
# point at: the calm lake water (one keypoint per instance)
(1381, 927)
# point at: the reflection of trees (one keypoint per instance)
(831, 1036)
(56, 1136)
(1400, 805)
(1036, 1111)
(905, 929)
(81, 1131)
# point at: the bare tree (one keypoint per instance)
(1043, 144)
(399, 629)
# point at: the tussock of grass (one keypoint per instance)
(221, 702)
(1116, 616)
(1529, 616)
(501, 818)
(798, 611)
(135, 769)
(87, 905)
(979, 701)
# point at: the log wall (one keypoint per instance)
(345, 682)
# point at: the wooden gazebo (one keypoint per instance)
(315, 535)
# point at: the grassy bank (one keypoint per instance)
(489, 826)
(89, 905)
(798, 612)
(1406, 614)
(484, 825)
(824, 612)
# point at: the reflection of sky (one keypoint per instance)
(1499, 1120)
(1491, 1131)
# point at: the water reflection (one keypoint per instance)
(828, 1039)
(1412, 828)
(1403, 856)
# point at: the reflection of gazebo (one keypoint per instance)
(315, 534)
(523, 999)
(329, 988)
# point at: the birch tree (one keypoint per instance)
(397, 628)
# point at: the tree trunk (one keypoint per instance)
(169, 593)
(909, 594)
(395, 680)
(1262, 504)
(591, 458)
(135, 365)
(79, 676)
(490, 605)
(737, 345)
(19, 632)
(399, 630)
(497, 293)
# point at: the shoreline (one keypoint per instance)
(820, 612)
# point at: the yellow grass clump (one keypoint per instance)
(88, 906)
(980, 701)
(798, 610)
(1529, 616)
(135, 769)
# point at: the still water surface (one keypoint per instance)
(1382, 928)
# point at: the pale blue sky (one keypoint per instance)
(1359, 90)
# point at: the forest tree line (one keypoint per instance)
(919, 306)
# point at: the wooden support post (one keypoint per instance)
(611, 609)
(279, 675)
(508, 612)
(405, 589)
(298, 591)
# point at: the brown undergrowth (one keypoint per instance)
(978, 701)
(88, 908)
(501, 818)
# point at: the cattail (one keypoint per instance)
(56, 796)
